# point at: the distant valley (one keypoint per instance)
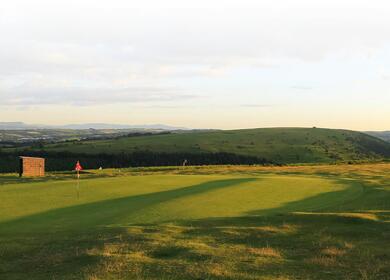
(21, 133)
(22, 126)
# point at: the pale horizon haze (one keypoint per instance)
(198, 64)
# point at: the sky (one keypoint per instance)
(199, 64)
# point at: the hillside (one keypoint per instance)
(384, 135)
(276, 145)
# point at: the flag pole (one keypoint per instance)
(78, 168)
(78, 184)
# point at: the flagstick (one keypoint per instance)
(78, 184)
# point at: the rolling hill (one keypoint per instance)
(264, 145)
(384, 135)
(82, 126)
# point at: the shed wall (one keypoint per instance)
(34, 167)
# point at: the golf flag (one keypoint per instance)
(78, 166)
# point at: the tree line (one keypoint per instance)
(61, 161)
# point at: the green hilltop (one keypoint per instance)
(279, 145)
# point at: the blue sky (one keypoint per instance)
(201, 64)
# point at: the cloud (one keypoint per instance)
(78, 96)
(302, 87)
(99, 35)
(170, 53)
(386, 77)
(256, 105)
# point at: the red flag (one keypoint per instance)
(78, 166)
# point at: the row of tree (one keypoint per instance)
(60, 161)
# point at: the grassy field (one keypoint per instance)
(218, 222)
(282, 145)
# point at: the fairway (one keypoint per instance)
(169, 223)
(162, 198)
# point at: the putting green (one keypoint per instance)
(59, 205)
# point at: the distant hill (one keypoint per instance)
(15, 125)
(279, 145)
(384, 135)
(25, 137)
(21, 126)
(121, 126)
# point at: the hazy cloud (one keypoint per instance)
(112, 52)
(302, 88)
(90, 96)
(256, 105)
(386, 77)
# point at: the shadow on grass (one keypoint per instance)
(108, 212)
(334, 200)
(339, 240)
(283, 245)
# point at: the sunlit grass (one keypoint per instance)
(304, 222)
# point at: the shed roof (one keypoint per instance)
(31, 157)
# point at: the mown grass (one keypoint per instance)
(238, 222)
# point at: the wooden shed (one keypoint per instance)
(31, 166)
